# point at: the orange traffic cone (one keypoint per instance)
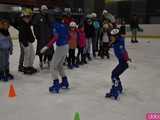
(12, 92)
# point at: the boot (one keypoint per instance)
(75, 65)
(70, 66)
(9, 75)
(21, 68)
(64, 84)
(55, 87)
(84, 59)
(3, 76)
(28, 71)
(88, 56)
(132, 41)
(34, 70)
(41, 65)
(136, 41)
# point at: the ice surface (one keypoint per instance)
(88, 87)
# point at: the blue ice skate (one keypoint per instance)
(75, 65)
(70, 67)
(55, 87)
(113, 93)
(65, 83)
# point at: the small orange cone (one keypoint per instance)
(12, 92)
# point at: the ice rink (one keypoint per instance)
(88, 85)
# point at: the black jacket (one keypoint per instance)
(42, 28)
(25, 32)
(134, 23)
(89, 30)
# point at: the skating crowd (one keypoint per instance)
(77, 42)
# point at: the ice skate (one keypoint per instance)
(65, 83)
(55, 87)
(21, 68)
(70, 66)
(76, 65)
(113, 93)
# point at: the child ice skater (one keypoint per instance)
(5, 51)
(122, 56)
(73, 37)
(81, 56)
(61, 34)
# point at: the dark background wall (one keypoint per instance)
(147, 10)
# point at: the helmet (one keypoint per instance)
(115, 31)
(44, 7)
(72, 24)
(104, 12)
(26, 12)
(88, 16)
(94, 15)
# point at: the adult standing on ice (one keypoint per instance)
(26, 40)
(134, 25)
(61, 34)
(43, 32)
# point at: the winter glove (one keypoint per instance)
(44, 49)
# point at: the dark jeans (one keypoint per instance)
(94, 46)
(118, 70)
(104, 50)
(134, 34)
(80, 55)
(21, 58)
(71, 58)
(4, 59)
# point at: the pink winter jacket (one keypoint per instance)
(81, 39)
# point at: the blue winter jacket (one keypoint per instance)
(5, 43)
(62, 31)
(119, 49)
(5, 47)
